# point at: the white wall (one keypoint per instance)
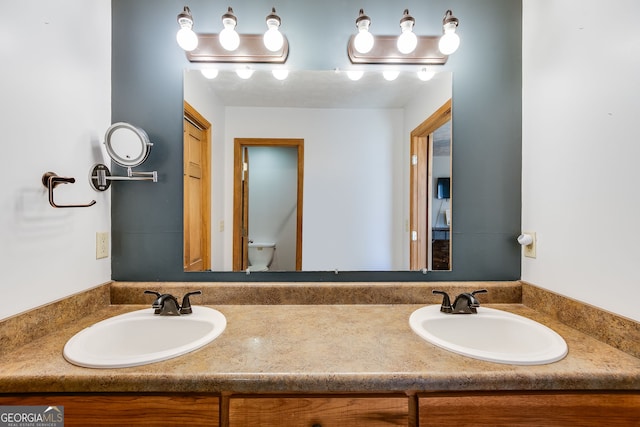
(581, 101)
(55, 83)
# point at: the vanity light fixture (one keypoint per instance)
(449, 41)
(407, 41)
(363, 41)
(187, 39)
(229, 46)
(408, 48)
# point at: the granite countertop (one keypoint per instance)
(319, 348)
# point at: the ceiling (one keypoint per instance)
(325, 89)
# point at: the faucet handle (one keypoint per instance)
(157, 294)
(445, 307)
(479, 291)
(186, 302)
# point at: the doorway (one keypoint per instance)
(197, 190)
(425, 252)
(246, 180)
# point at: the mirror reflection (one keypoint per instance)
(267, 204)
(441, 208)
(352, 171)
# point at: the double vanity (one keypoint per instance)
(319, 353)
(170, 329)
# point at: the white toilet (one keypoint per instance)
(261, 256)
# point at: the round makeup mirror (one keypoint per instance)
(126, 144)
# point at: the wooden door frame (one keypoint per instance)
(245, 189)
(191, 114)
(239, 143)
(420, 188)
(419, 195)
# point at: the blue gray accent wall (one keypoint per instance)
(147, 71)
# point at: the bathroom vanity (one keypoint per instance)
(436, 409)
(347, 364)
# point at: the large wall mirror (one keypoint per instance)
(316, 172)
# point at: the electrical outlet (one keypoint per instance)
(530, 250)
(221, 225)
(102, 245)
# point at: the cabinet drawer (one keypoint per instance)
(325, 411)
(128, 410)
(538, 409)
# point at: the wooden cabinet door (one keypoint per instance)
(540, 409)
(197, 192)
(319, 411)
(128, 410)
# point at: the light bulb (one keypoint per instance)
(244, 73)
(390, 75)
(209, 73)
(280, 74)
(449, 41)
(186, 38)
(273, 39)
(229, 39)
(426, 74)
(407, 41)
(363, 41)
(355, 75)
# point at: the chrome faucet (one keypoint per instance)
(167, 304)
(465, 303)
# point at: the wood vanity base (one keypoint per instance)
(540, 409)
(307, 411)
(114, 409)
(496, 409)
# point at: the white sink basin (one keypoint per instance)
(141, 337)
(491, 335)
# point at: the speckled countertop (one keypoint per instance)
(318, 348)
